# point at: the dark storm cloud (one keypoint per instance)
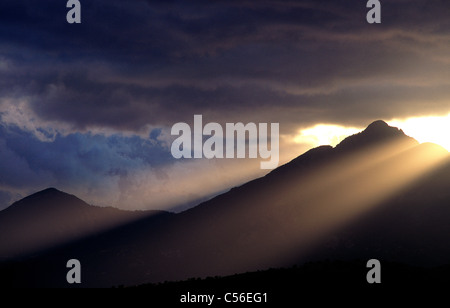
(68, 157)
(77, 102)
(158, 62)
(76, 161)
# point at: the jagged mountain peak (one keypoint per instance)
(377, 132)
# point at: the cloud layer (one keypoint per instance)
(81, 106)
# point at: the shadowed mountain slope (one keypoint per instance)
(378, 194)
(51, 217)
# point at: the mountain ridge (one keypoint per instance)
(51, 217)
(377, 131)
(328, 203)
(54, 193)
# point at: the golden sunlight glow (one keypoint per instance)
(435, 129)
(342, 190)
(325, 134)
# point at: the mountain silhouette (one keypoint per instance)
(377, 132)
(378, 194)
(51, 217)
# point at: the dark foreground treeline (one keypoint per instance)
(327, 282)
(320, 281)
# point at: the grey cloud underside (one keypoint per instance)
(82, 162)
(294, 62)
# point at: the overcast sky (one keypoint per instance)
(87, 108)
